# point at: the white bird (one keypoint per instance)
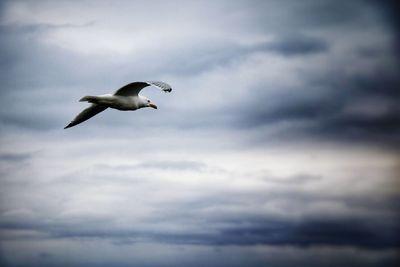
(125, 98)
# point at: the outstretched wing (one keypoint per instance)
(86, 114)
(162, 85)
(133, 89)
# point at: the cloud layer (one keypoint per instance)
(278, 145)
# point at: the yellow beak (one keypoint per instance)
(153, 105)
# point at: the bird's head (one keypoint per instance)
(145, 102)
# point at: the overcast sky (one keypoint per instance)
(278, 146)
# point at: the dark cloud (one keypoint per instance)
(216, 55)
(322, 232)
(242, 231)
(296, 44)
(29, 63)
(39, 122)
(298, 179)
(185, 175)
(329, 14)
(236, 227)
(391, 11)
(335, 107)
(13, 157)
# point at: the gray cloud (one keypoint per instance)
(239, 230)
(298, 45)
(163, 165)
(355, 108)
(276, 146)
(390, 8)
(14, 157)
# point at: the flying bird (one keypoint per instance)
(125, 98)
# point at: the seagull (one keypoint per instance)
(125, 98)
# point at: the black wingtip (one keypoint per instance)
(68, 126)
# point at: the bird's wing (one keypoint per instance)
(133, 89)
(162, 85)
(86, 114)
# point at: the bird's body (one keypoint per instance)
(116, 101)
(125, 98)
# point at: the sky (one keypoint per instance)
(278, 146)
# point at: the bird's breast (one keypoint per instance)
(124, 103)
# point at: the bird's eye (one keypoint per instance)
(148, 101)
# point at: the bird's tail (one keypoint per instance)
(89, 98)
